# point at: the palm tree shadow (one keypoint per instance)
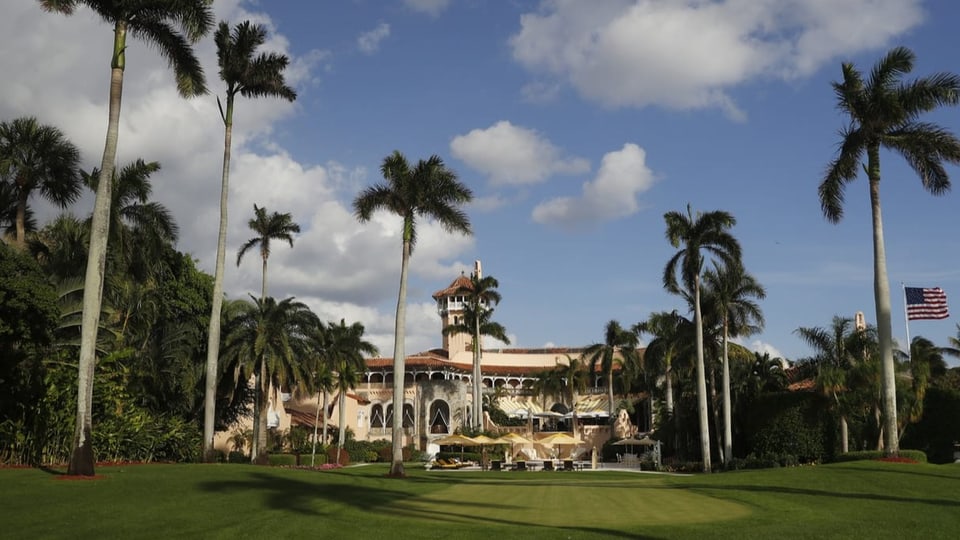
(820, 493)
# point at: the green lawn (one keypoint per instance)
(848, 500)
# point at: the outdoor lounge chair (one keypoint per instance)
(568, 465)
(548, 465)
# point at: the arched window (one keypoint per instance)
(408, 415)
(376, 416)
(439, 417)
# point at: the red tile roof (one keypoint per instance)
(462, 282)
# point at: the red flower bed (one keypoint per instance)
(897, 459)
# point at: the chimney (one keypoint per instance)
(476, 269)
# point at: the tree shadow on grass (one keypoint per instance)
(905, 469)
(818, 493)
(311, 498)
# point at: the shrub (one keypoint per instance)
(287, 460)
(915, 456)
(237, 457)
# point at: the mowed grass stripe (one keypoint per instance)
(590, 498)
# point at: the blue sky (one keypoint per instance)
(577, 124)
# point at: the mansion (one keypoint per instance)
(438, 392)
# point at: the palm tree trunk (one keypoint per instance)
(264, 386)
(396, 466)
(477, 376)
(701, 382)
(715, 410)
(610, 404)
(844, 435)
(263, 284)
(326, 402)
(316, 422)
(881, 291)
(213, 337)
(727, 416)
(82, 458)
(22, 217)
(342, 435)
(668, 391)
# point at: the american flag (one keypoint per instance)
(926, 303)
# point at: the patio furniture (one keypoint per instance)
(496, 465)
(548, 465)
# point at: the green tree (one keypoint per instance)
(731, 292)
(344, 351)
(172, 27)
(884, 112)
(36, 158)
(704, 232)
(479, 297)
(275, 226)
(269, 227)
(427, 191)
(619, 346)
(270, 338)
(250, 75)
(139, 228)
(668, 330)
(837, 350)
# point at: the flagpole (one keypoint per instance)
(906, 318)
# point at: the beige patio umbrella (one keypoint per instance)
(456, 440)
(560, 439)
(512, 439)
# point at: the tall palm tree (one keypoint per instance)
(884, 111)
(270, 338)
(704, 232)
(479, 297)
(344, 353)
(731, 291)
(139, 228)
(37, 158)
(275, 226)
(427, 191)
(172, 27)
(619, 345)
(251, 76)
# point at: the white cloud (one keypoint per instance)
(688, 54)
(612, 194)
(430, 7)
(511, 154)
(369, 42)
(761, 347)
(339, 267)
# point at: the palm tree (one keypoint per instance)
(837, 350)
(270, 338)
(731, 291)
(925, 363)
(250, 76)
(275, 226)
(573, 377)
(884, 112)
(617, 341)
(138, 228)
(172, 27)
(479, 296)
(428, 190)
(705, 232)
(37, 158)
(344, 353)
(668, 331)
